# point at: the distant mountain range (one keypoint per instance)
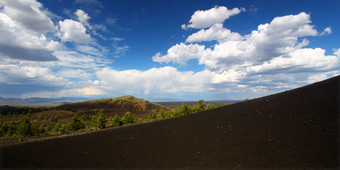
(40, 101)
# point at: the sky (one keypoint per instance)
(166, 50)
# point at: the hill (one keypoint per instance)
(119, 105)
(293, 129)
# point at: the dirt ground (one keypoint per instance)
(294, 129)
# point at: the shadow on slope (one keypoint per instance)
(294, 129)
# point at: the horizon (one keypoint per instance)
(180, 50)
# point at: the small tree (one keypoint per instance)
(115, 121)
(128, 118)
(211, 106)
(76, 123)
(99, 120)
(185, 110)
(201, 105)
(59, 128)
(25, 128)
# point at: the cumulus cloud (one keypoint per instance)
(277, 38)
(155, 80)
(207, 18)
(326, 31)
(215, 32)
(82, 16)
(73, 31)
(270, 58)
(17, 72)
(181, 53)
(337, 52)
(30, 14)
(19, 40)
(28, 36)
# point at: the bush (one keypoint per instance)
(59, 129)
(99, 120)
(185, 110)
(3, 128)
(25, 128)
(211, 106)
(115, 121)
(201, 105)
(76, 123)
(128, 118)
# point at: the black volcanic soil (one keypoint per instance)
(294, 129)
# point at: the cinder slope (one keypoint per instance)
(294, 129)
(119, 105)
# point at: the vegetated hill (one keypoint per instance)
(293, 129)
(119, 105)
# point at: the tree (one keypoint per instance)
(59, 128)
(25, 128)
(128, 118)
(201, 105)
(76, 123)
(185, 110)
(115, 121)
(99, 120)
(211, 106)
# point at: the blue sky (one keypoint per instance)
(160, 50)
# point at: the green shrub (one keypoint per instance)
(99, 120)
(185, 110)
(115, 121)
(59, 128)
(54, 118)
(3, 128)
(128, 118)
(25, 128)
(201, 105)
(9, 131)
(211, 106)
(76, 123)
(85, 117)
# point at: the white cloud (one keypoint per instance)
(89, 50)
(155, 80)
(326, 31)
(82, 16)
(76, 60)
(215, 32)
(88, 91)
(207, 18)
(27, 73)
(20, 42)
(73, 31)
(277, 38)
(120, 50)
(267, 60)
(337, 52)
(181, 53)
(30, 14)
(302, 60)
(74, 73)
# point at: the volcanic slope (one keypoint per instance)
(293, 129)
(119, 105)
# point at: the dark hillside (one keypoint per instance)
(294, 129)
(111, 106)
